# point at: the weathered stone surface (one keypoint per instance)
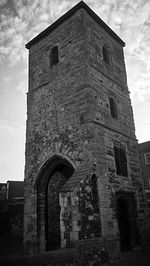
(68, 117)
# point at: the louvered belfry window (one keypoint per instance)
(54, 56)
(113, 108)
(95, 198)
(121, 161)
(105, 54)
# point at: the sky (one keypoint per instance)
(20, 21)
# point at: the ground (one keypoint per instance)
(10, 245)
(10, 254)
(134, 258)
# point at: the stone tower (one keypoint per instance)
(82, 174)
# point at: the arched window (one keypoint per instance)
(113, 108)
(54, 55)
(105, 54)
(121, 161)
(95, 198)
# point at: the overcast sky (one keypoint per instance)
(20, 21)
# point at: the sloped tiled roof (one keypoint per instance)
(80, 174)
(144, 145)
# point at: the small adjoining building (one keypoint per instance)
(82, 174)
(12, 208)
(4, 225)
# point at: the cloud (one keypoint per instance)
(22, 87)
(3, 2)
(23, 20)
(23, 84)
(131, 20)
(7, 79)
(6, 128)
(12, 152)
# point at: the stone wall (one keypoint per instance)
(79, 219)
(68, 115)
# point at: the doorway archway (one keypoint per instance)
(51, 179)
(127, 221)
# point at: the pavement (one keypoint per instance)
(139, 257)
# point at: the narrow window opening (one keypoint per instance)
(105, 54)
(113, 108)
(121, 162)
(147, 157)
(95, 198)
(117, 161)
(54, 55)
(123, 159)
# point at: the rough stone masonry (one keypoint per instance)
(82, 173)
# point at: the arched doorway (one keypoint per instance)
(52, 177)
(127, 222)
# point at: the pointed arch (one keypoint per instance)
(52, 176)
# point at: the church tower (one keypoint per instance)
(82, 172)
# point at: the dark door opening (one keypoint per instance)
(52, 213)
(52, 177)
(126, 215)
